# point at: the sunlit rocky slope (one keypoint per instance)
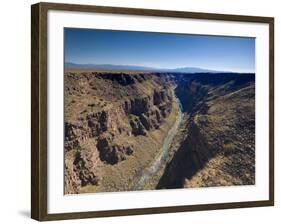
(114, 127)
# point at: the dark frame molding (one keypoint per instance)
(39, 110)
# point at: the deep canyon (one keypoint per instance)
(142, 131)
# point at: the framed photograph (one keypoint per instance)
(139, 111)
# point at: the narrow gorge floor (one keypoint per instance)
(162, 157)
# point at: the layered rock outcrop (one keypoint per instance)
(80, 170)
(111, 150)
(122, 78)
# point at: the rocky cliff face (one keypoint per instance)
(190, 157)
(108, 121)
(143, 114)
(149, 112)
(218, 147)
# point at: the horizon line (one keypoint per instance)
(160, 68)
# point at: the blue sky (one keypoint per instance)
(161, 50)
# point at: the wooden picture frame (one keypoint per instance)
(39, 109)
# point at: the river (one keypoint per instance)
(154, 167)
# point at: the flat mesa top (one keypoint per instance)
(89, 70)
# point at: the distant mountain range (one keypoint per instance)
(140, 68)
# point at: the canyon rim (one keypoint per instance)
(151, 111)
